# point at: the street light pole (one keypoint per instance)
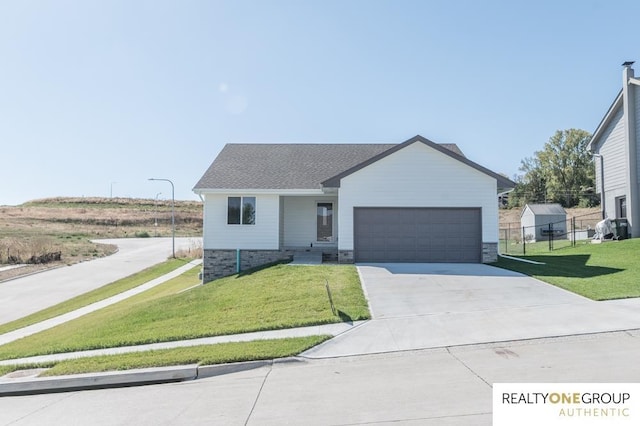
(173, 216)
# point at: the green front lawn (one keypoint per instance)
(598, 271)
(282, 296)
(201, 355)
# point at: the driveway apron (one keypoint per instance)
(419, 306)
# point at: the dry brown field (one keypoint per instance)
(38, 229)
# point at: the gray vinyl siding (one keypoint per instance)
(614, 151)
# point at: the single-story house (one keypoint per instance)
(417, 201)
(614, 145)
(539, 221)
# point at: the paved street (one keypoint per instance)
(24, 296)
(445, 386)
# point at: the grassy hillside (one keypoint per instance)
(278, 297)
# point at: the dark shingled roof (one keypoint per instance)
(283, 166)
(289, 166)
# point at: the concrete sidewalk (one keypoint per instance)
(316, 330)
(27, 382)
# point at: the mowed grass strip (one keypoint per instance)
(203, 355)
(598, 271)
(278, 297)
(96, 295)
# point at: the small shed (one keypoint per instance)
(536, 218)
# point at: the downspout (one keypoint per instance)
(201, 274)
(628, 97)
(602, 198)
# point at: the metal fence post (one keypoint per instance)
(524, 243)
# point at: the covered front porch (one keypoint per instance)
(309, 226)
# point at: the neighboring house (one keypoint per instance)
(417, 201)
(535, 220)
(615, 148)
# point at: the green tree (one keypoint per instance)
(562, 172)
(567, 167)
(530, 186)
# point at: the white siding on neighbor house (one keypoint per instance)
(417, 176)
(614, 153)
(300, 220)
(264, 235)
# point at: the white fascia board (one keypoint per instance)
(203, 191)
(634, 81)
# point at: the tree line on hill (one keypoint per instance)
(562, 172)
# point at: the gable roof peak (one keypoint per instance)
(502, 181)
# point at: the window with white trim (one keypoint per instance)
(241, 210)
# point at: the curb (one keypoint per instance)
(139, 377)
(57, 267)
(221, 369)
(33, 273)
(145, 376)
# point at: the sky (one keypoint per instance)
(98, 96)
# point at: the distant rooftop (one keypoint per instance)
(545, 209)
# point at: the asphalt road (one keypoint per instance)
(445, 386)
(24, 296)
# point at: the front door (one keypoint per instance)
(324, 224)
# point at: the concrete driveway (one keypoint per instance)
(420, 306)
(24, 296)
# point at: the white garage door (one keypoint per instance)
(390, 234)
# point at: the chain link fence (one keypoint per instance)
(521, 240)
